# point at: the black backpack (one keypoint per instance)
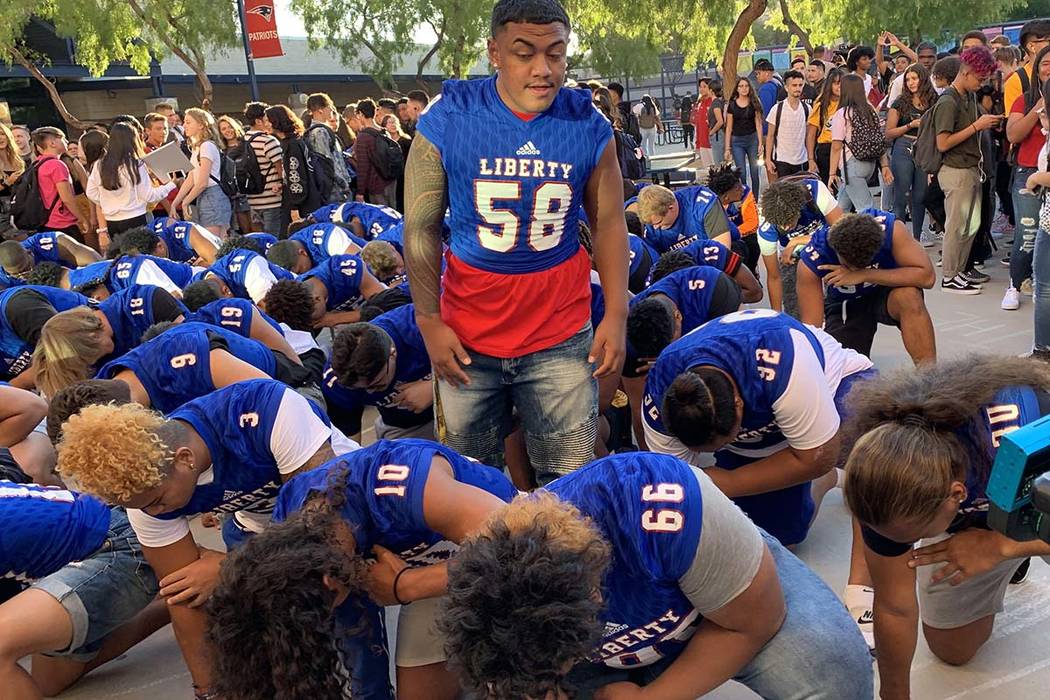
(388, 158)
(227, 179)
(28, 212)
(322, 174)
(631, 165)
(250, 177)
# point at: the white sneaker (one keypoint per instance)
(926, 239)
(860, 601)
(1011, 300)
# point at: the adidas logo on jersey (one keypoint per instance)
(612, 628)
(529, 149)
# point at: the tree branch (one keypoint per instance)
(795, 29)
(748, 16)
(197, 66)
(430, 54)
(56, 98)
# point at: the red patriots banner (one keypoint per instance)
(262, 29)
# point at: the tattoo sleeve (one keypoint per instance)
(426, 198)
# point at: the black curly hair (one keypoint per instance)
(138, 241)
(68, 401)
(233, 243)
(200, 293)
(46, 274)
(782, 202)
(671, 261)
(359, 352)
(273, 612)
(155, 330)
(650, 326)
(722, 178)
(856, 238)
(634, 224)
(522, 602)
(291, 302)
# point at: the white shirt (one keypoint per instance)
(208, 150)
(129, 200)
(258, 279)
(790, 142)
(296, 436)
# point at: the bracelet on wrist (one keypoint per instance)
(396, 580)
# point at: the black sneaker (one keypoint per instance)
(976, 277)
(1022, 572)
(959, 285)
(1006, 261)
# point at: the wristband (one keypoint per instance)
(199, 694)
(104, 229)
(396, 579)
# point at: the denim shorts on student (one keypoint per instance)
(212, 207)
(104, 591)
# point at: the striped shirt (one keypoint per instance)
(268, 153)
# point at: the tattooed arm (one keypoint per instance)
(426, 198)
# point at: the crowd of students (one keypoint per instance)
(596, 441)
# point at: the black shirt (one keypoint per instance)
(27, 312)
(743, 118)
(907, 112)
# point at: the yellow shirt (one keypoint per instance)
(1012, 88)
(824, 133)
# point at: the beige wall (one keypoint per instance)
(98, 105)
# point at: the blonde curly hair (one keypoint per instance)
(114, 452)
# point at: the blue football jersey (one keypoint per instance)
(712, 254)
(374, 218)
(7, 281)
(649, 509)
(16, 354)
(44, 247)
(755, 348)
(597, 304)
(341, 276)
(384, 495)
(175, 366)
(515, 194)
(125, 270)
(266, 240)
(43, 528)
(232, 269)
(91, 275)
(810, 219)
(233, 314)
(413, 364)
(130, 314)
(819, 252)
(638, 249)
(693, 206)
(691, 291)
(384, 505)
(236, 423)
(176, 236)
(316, 239)
(733, 210)
(395, 236)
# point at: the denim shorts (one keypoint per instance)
(104, 591)
(212, 207)
(554, 394)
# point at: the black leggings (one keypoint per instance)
(122, 225)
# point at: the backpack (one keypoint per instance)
(776, 124)
(250, 177)
(924, 152)
(28, 212)
(322, 174)
(227, 179)
(647, 119)
(387, 157)
(869, 140)
(627, 153)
